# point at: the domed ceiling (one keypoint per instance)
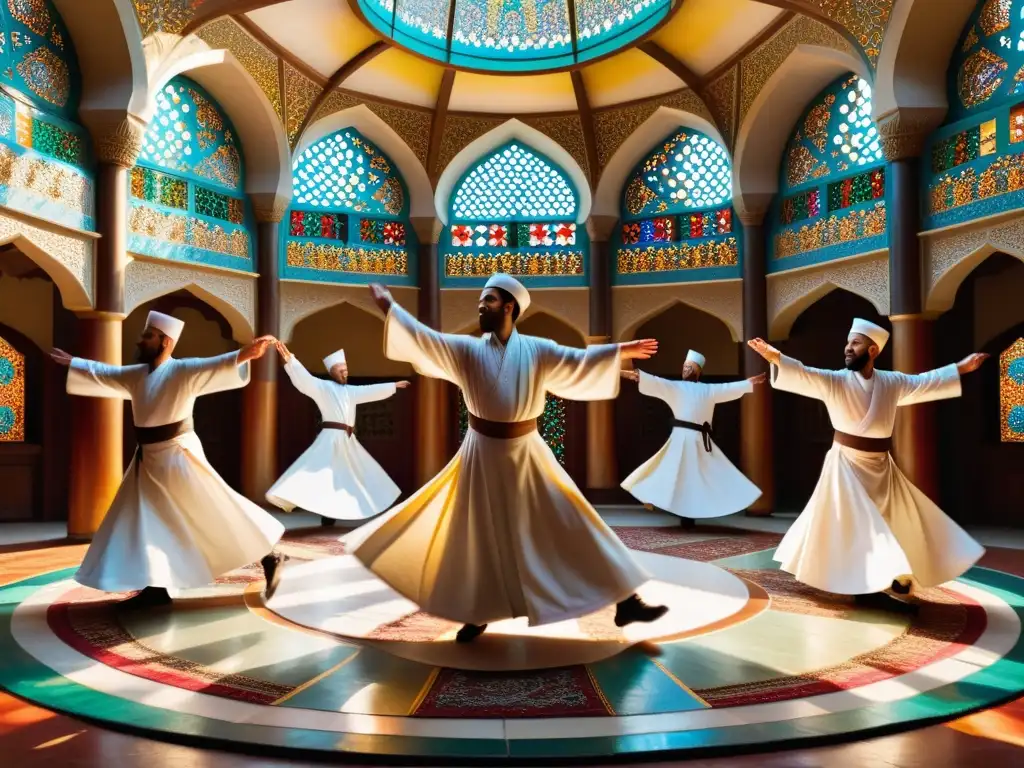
(513, 56)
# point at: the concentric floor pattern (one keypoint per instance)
(336, 662)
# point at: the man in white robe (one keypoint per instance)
(174, 523)
(866, 528)
(502, 531)
(690, 476)
(335, 477)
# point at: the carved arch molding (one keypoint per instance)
(66, 256)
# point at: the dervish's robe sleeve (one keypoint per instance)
(723, 393)
(87, 378)
(580, 374)
(939, 384)
(430, 352)
(207, 375)
(368, 393)
(793, 376)
(655, 386)
(302, 380)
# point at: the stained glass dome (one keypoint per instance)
(514, 35)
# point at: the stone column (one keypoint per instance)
(915, 447)
(602, 462)
(433, 425)
(259, 467)
(97, 462)
(757, 454)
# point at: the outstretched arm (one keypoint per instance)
(87, 378)
(592, 373)
(791, 375)
(723, 393)
(369, 393)
(301, 379)
(208, 375)
(939, 384)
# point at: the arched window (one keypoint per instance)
(187, 188)
(350, 213)
(832, 200)
(44, 151)
(1011, 393)
(12, 394)
(677, 213)
(515, 211)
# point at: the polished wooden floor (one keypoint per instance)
(30, 736)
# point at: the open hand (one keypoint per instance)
(641, 349)
(60, 357)
(254, 350)
(765, 350)
(282, 350)
(381, 297)
(972, 362)
(758, 379)
(631, 375)
(401, 384)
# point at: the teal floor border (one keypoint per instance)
(27, 678)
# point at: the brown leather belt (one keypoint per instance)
(338, 425)
(704, 429)
(867, 444)
(150, 435)
(502, 430)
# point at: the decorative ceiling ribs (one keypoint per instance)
(342, 73)
(672, 64)
(586, 123)
(444, 96)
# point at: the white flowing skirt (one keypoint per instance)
(866, 525)
(335, 477)
(500, 532)
(686, 480)
(175, 524)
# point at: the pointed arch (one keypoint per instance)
(639, 144)
(67, 259)
(769, 122)
(634, 305)
(511, 130)
(942, 292)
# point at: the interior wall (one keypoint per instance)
(347, 327)
(26, 304)
(681, 328)
(803, 431)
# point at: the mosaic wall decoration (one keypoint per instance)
(382, 232)
(987, 69)
(39, 186)
(1011, 393)
(710, 223)
(219, 206)
(836, 135)
(191, 136)
(688, 170)
(834, 230)
(340, 258)
(331, 226)
(155, 187)
(550, 424)
(512, 184)
(684, 256)
(37, 58)
(520, 263)
(345, 172)
(853, 190)
(659, 230)
(1017, 124)
(963, 147)
(514, 35)
(170, 16)
(479, 235)
(865, 20)
(804, 205)
(176, 234)
(971, 185)
(12, 394)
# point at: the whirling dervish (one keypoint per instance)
(174, 523)
(502, 531)
(335, 477)
(866, 528)
(690, 476)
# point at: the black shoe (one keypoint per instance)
(327, 522)
(900, 589)
(470, 632)
(150, 597)
(883, 602)
(634, 609)
(272, 573)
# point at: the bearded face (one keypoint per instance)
(858, 352)
(150, 345)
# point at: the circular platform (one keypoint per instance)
(754, 660)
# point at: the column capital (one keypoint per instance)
(428, 229)
(269, 208)
(752, 207)
(600, 228)
(117, 137)
(903, 130)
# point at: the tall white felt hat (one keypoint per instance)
(874, 332)
(170, 327)
(695, 357)
(513, 286)
(335, 358)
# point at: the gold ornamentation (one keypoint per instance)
(903, 131)
(816, 122)
(213, 237)
(1011, 393)
(170, 16)
(121, 144)
(46, 75)
(669, 258)
(337, 101)
(224, 166)
(979, 76)
(460, 131)
(413, 125)
(567, 130)
(995, 16)
(53, 181)
(855, 225)
(721, 100)
(764, 61)
(523, 264)
(257, 59)
(638, 195)
(343, 258)
(272, 212)
(180, 229)
(32, 13)
(12, 394)
(801, 165)
(300, 92)
(953, 190)
(971, 40)
(865, 20)
(74, 253)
